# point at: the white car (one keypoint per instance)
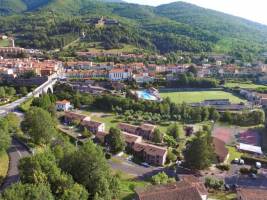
(258, 165)
(241, 162)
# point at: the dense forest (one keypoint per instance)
(168, 28)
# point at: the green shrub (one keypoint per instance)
(213, 183)
(223, 167)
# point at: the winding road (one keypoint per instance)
(15, 152)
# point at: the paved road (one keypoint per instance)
(15, 152)
(137, 171)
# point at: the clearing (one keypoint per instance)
(4, 43)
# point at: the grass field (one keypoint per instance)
(4, 161)
(128, 185)
(4, 43)
(198, 96)
(244, 85)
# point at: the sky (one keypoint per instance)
(255, 10)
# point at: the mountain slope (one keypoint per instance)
(167, 28)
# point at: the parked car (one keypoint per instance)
(241, 162)
(144, 164)
(258, 165)
(236, 161)
(252, 175)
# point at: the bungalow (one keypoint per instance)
(70, 117)
(174, 191)
(63, 105)
(251, 193)
(249, 148)
(152, 154)
(93, 126)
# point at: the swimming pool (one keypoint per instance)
(146, 96)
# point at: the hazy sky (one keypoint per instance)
(255, 10)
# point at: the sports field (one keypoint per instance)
(198, 96)
(244, 85)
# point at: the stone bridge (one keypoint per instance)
(44, 88)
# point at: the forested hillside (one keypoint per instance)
(168, 28)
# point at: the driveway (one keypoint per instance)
(138, 171)
(15, 152)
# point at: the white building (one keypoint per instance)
(119, 74)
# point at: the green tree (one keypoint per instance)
(21, 191)
(13, 123)
(2, 92)
(161, 178)
(23, 91)
(42, 169)
(5, 138)
(89, 167)
(115, 140)
(39, 125)
(157, 136)
(175, 131)
(200, 153)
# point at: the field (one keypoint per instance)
(4, 43)
(198, 96)
(4, 161)
(245, 85)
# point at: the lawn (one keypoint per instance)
(4, 43)
(244, 85)
(4, 162)
(233, 153)
(198, 96)
(223, 196)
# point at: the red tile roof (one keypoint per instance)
(220, 150)
(252, 193)
(175, 191)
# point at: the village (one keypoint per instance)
(237, 96)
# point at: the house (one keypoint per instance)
(3, 37)
(251, 193)
(100, 136)
(71, 117)
(199, 185)
(249, 148)
(220, 150)
(151, 154)
(174, 191)
(128, 128)
(145, 130)
(131, 139)
(63, 105)
(93, 126)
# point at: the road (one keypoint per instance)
(15, 152)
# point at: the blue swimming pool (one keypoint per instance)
(146, 96)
